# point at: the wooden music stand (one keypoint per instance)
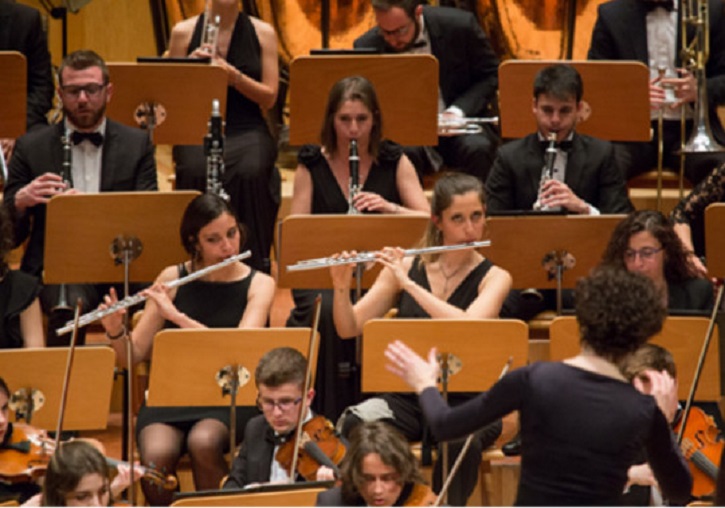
(483, 346)
(176, 352)
(89, 389)
(294, 495)
(185, 91)
(584, 237)
(613, 91)
(13, 90)
(677, 336)
(304, 237)
(81, 228)
(715, 240)
(410, 112)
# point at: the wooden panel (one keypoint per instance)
(483, 346)
(681, 336)
(616, 93)
(80, 229)
(715, 239)
(410, 113)
(89, 392)
(301, 497)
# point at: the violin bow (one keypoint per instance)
(700, 363)
(66, 378)
(464, 450)
(308, 381)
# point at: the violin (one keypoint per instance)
(702, 449)
(25, 456)
(320, 431)
(421, 495)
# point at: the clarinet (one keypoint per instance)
(67, 174)
(214, 151)
(354, 186)
(547, 172)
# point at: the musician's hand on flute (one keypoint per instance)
(392, 258)
(113, 323)
(341, 275)
(411, 368)
(159, 293)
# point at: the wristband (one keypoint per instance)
(117, 336)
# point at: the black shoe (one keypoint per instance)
(513, 447)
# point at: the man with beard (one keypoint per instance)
(468, 75)
(106, 156)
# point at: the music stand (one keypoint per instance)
(81, 229)
(676, 336)
(290, 494)
(476, 352)
(149, 96)
(714, 245)
(13, 90)
(560, 249)
(410, 112)
(304, 237)
(612, 91)
(227, 352)
(89, 389)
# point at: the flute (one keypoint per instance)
(127, 302)
(365, 257)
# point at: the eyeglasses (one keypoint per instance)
(645, 253)
(282, 404)
(398, 32)
(91, 89)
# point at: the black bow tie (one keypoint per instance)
(420, 44)
(668, 5)
(278, 439)
(94, 137)
(563, 145)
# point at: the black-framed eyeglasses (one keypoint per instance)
(91, 89)
(282, 404)
(397, 33)
(645, 253)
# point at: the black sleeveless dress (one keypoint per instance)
(250, 176)
(216, 305)
(18, 290)
(337, 384)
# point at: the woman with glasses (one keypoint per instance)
(646, 242)
(230, 297)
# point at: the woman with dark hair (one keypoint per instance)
(645, 242)
(230, 297)
(689, 215)
(245, 48)
(582, 424)
(378, 470)
(459, 284)
(388, 183)
(21, 320)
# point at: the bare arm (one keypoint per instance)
(684, 233)
(180, 37)
(411, 192)
(302, 193)
(259, 302)
(31, 325)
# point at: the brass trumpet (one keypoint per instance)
(456, 126)
(366, 257)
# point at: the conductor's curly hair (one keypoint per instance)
(617, 311)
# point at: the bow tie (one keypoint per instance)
(278, 439)
(94, 137)
(668, 5)
(419, 44)
(564, 146)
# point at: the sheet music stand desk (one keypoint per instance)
(43, 369)
(13, 90)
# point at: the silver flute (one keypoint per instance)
(366, 257)
(127, 302)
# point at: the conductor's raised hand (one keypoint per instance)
(112, 323)
(411, 367)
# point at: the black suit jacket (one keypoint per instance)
(254, 460)
(21, 30)
(127, 165)
(468, 66)
(620, 33)
(591, 173)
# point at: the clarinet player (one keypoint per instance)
(103, 156)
